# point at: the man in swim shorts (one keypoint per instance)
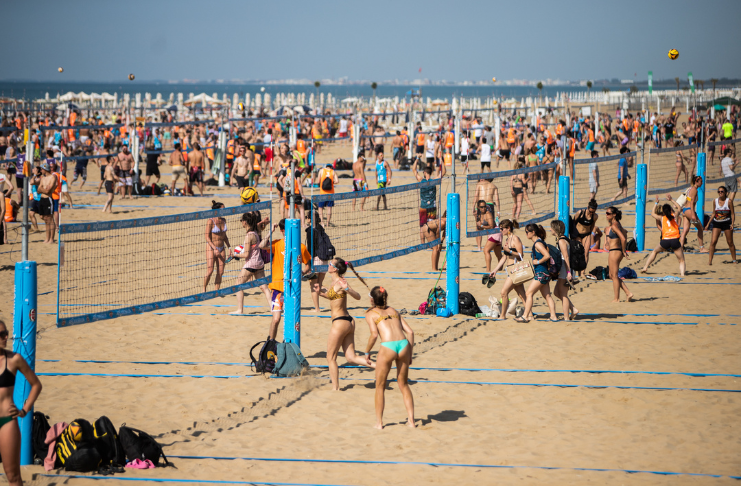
(177, 162)
(359, 182)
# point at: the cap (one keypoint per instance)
(45, 166)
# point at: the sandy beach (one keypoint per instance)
(496, 402)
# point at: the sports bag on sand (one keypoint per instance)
(290, 361)
(138, 444)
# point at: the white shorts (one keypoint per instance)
(592, 187)
(127, 181)
(177, 172)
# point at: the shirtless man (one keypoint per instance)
(109, 178)
(378, 134)
(359, 183)
(47, 184)
(504, 150)
(178, 164)
(397, 147)
(196, 162)
(488, 192)
(241, 168)
(125, 162)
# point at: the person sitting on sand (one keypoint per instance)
(397, 343)
(342, 333)
(669, 234)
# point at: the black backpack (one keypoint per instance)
(577, 260)
(467, 304)
(108, 443)
(265, 362)
(631, 245)
(138, 444)
(73, 447)
(323, 247)
(86, 458)
(327, 184)
(38, 435)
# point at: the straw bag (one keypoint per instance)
(520, 272)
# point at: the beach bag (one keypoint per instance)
(77, 434)
(137, 444)
(520, 272)
(467, 305)
(577, 260)
(38, 435)
(631, 245)
(265, 362)
(435, 300)
(682, 199)
(554, 264)
(600, 273)
(627, 273)
(86, 458)
(108, 443)
(290, 360)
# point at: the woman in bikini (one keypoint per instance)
(397, 342)
(541, 281)
(583, 230)
(485, 221)
(518, 188)
(680, 164)
(10, 433)
(342, 333)
(513, 250)
(689, 217)
(217, 246)
(563, 283)
(254, 266)
(666, 221)
(617, 238)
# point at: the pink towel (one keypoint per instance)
(51, 439)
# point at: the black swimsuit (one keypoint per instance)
(7, 379)
(582, 220)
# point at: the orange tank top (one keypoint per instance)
(669, 228)
(511, 135)
(421, 139)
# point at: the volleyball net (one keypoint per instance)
(715, 173)
(119, 268)
(380, 224)
(609, 180)
(671, 168)
(525, 195)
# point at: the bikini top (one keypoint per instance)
(387, 316)
(7, 379)
(216, 228)
(332, 295)
(612, 235)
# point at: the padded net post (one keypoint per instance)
(702, 172)
(24, 343)
(292, 283)
(641, 191)
(453, 255)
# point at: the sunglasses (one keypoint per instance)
(332, 265)
(3, 334)
(721, 191)
(609, 214)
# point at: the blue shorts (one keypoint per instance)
(325, 204)
(55, 205)
(590, 146)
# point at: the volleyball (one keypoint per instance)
(673, 54)
(239, 249)
(240, 106)
(248, 195)
(493, 80)
(60, 69)
(131, 77)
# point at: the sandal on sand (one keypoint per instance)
(521, 319)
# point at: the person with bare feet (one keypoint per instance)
(397, 343)
(617, 238)
(178, 165)
(359, 183)
(669, 235)
(342, 333)
(47, 184)
(487, 191)
(689, 216)
(564, 281)
(217, 246)
(126, 162)
(196, 161)
(383, 177)
(254, 266)
(513, 250)
(109, 178)
(541, 280)
(724, 217)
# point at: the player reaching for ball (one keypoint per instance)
(254, 266)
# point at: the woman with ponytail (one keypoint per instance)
(397, 342)
(342, 333)
(617, 238)
(542, 279)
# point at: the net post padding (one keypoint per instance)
(700, 203)
(369, 236)
(541, 200)
(120, 268)
(292, 282)
(453, 254)
(641, 194)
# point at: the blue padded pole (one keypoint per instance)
(453, 254)
(702, 172)
(24, 343)
(292, 283)
(641, 182)
(564, 196)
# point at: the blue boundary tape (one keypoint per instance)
(175, 218)
(176, 480)
(375, 192)
(447, 464)
(509, 173)
(139, 375)
(606, 158)
(385, 256)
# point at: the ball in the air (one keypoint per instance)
(240, 106)
(60, 69)
(248, 195)
(262, 89)
(673, 54)
(239, 249)
(131, 77)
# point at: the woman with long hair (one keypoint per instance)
(254, 266)
(10, 433)
(667, 223)
(617, 238)
(689, 216)
(342, 333)
(541, 280)
(561, 289)
(513, 250)
(397, 343)
(518, 188)
(723, 220)
(217, 246)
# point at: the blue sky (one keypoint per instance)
(103, 40)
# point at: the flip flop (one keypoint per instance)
(484, 280)
(492, 281)
(521, 319)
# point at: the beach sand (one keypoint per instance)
(493, 425)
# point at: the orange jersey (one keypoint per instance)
(278, 249)
(301, 147)
(549, 138)
(324, 174)
(421, 139)
(591, 135)
(572, 147)
(449, 140)
(669, 228)
(230, 150)
(559, 130)
(511, 135)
